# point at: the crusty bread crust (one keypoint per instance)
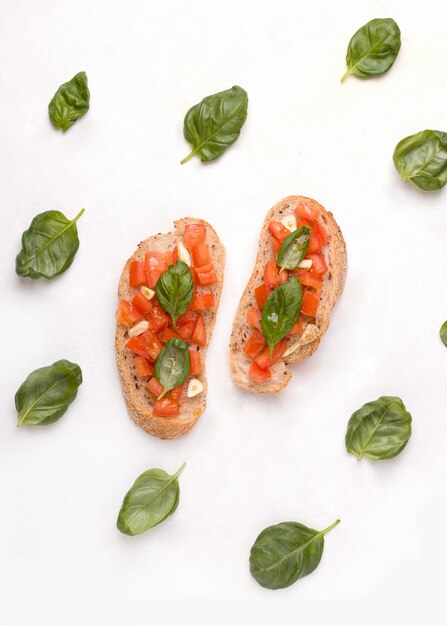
(136, 396)
(333, 282)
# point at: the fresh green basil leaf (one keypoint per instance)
(215, 123)
(443, 333)
(286, 552)
(172, 365)
(379, 430)
(280, 312)
(153, 497)
(422, 158)
(293, 249)
(47, 393)
(175, 289)
(70, 102)
(48, 246)
(373, 49)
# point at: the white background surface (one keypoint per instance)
(251, 461)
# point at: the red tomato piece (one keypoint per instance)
(155, 261)
(278, 230)
(187, 317)
(255, 343)
(142, 304)
(322, 232)
(206, 278)
(261, 295)
(175, 256)
(139, 346)
(166, 334)
(185, 330)
(310, 303)
(142, 366)
(158, 319)
(272, 276)
(308, 212)
(166, 407)
(137, 276)
(264, 361)
(200, 254)
(254, 317)
(276, 245)
(319, 266)
(169, 256)
(195, 362)
(193, 235)
(126, 313)
(199, 335)
(177, 393)
(298, 328)
(151, 278)
(314, 243)
(257, 374)
(152, 343)
(202, 301)
(308, 279)
(155, 387)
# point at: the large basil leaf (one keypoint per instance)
(215, 123)
(172, 365)
(280, 312)
(443, 333)
(47, 393)
(294, 248)
(153, 497)
(379, 430)
(175, 289)
(48, 246)
(70, 102)
(422, 158)
(373, 49)
(285, 552)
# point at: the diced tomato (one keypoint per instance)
(257, 374)
(167, 333)
(139, 346)
(142, 304)
(276, 245)
(278, 230)
(169, 256)
(126, 313)
(185, 330)
(151, 278)
(177, 392)
(175, 256)
(308, 279)
(319, 266)
(194, 279)
(206, 278)
(199, 335)
(143, 367)
(155, 261)
(152, 343)
(314, 243)
(202, 301)
(194, 234)
(200, 254)
(166, 407)
(298, 328)
(254, 317)
(155, 387)
(187, 317)
(137, 276)
(195, 362)
(310, 303)
(261, 295)
(322, 232)
(255, 343)
(308, 212)
(272, 276)
(158, 319)
(264, 361)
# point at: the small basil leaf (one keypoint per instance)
(373, 49)
(215, 123)
(294, 248)
(443, 333)
(172, 365)
(48, 246)
(422, 158)
(47, 393)
(280, 312)
(286, 552)
(153, 497)
(70, 102)
(175, 289)
(379, 430)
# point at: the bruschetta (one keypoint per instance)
(285, 309)
(169, 293)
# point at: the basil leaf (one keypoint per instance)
(47, 393)
(294, 248)
(280, 312)
(373, 49)
(215, 123)
(175, 289)
(443, 333)
(422, 158)
(70, 102)
(153, 497)
(379, 430)
(48, 246)
(172, 365)
(285, 552)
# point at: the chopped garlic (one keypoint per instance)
(194, 388)
(305, 264)
(183, 254)
(289, 222)
(147, 293)
(138, 328)
(310, 334)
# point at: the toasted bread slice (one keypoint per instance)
(137, 397)
(333, 282)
